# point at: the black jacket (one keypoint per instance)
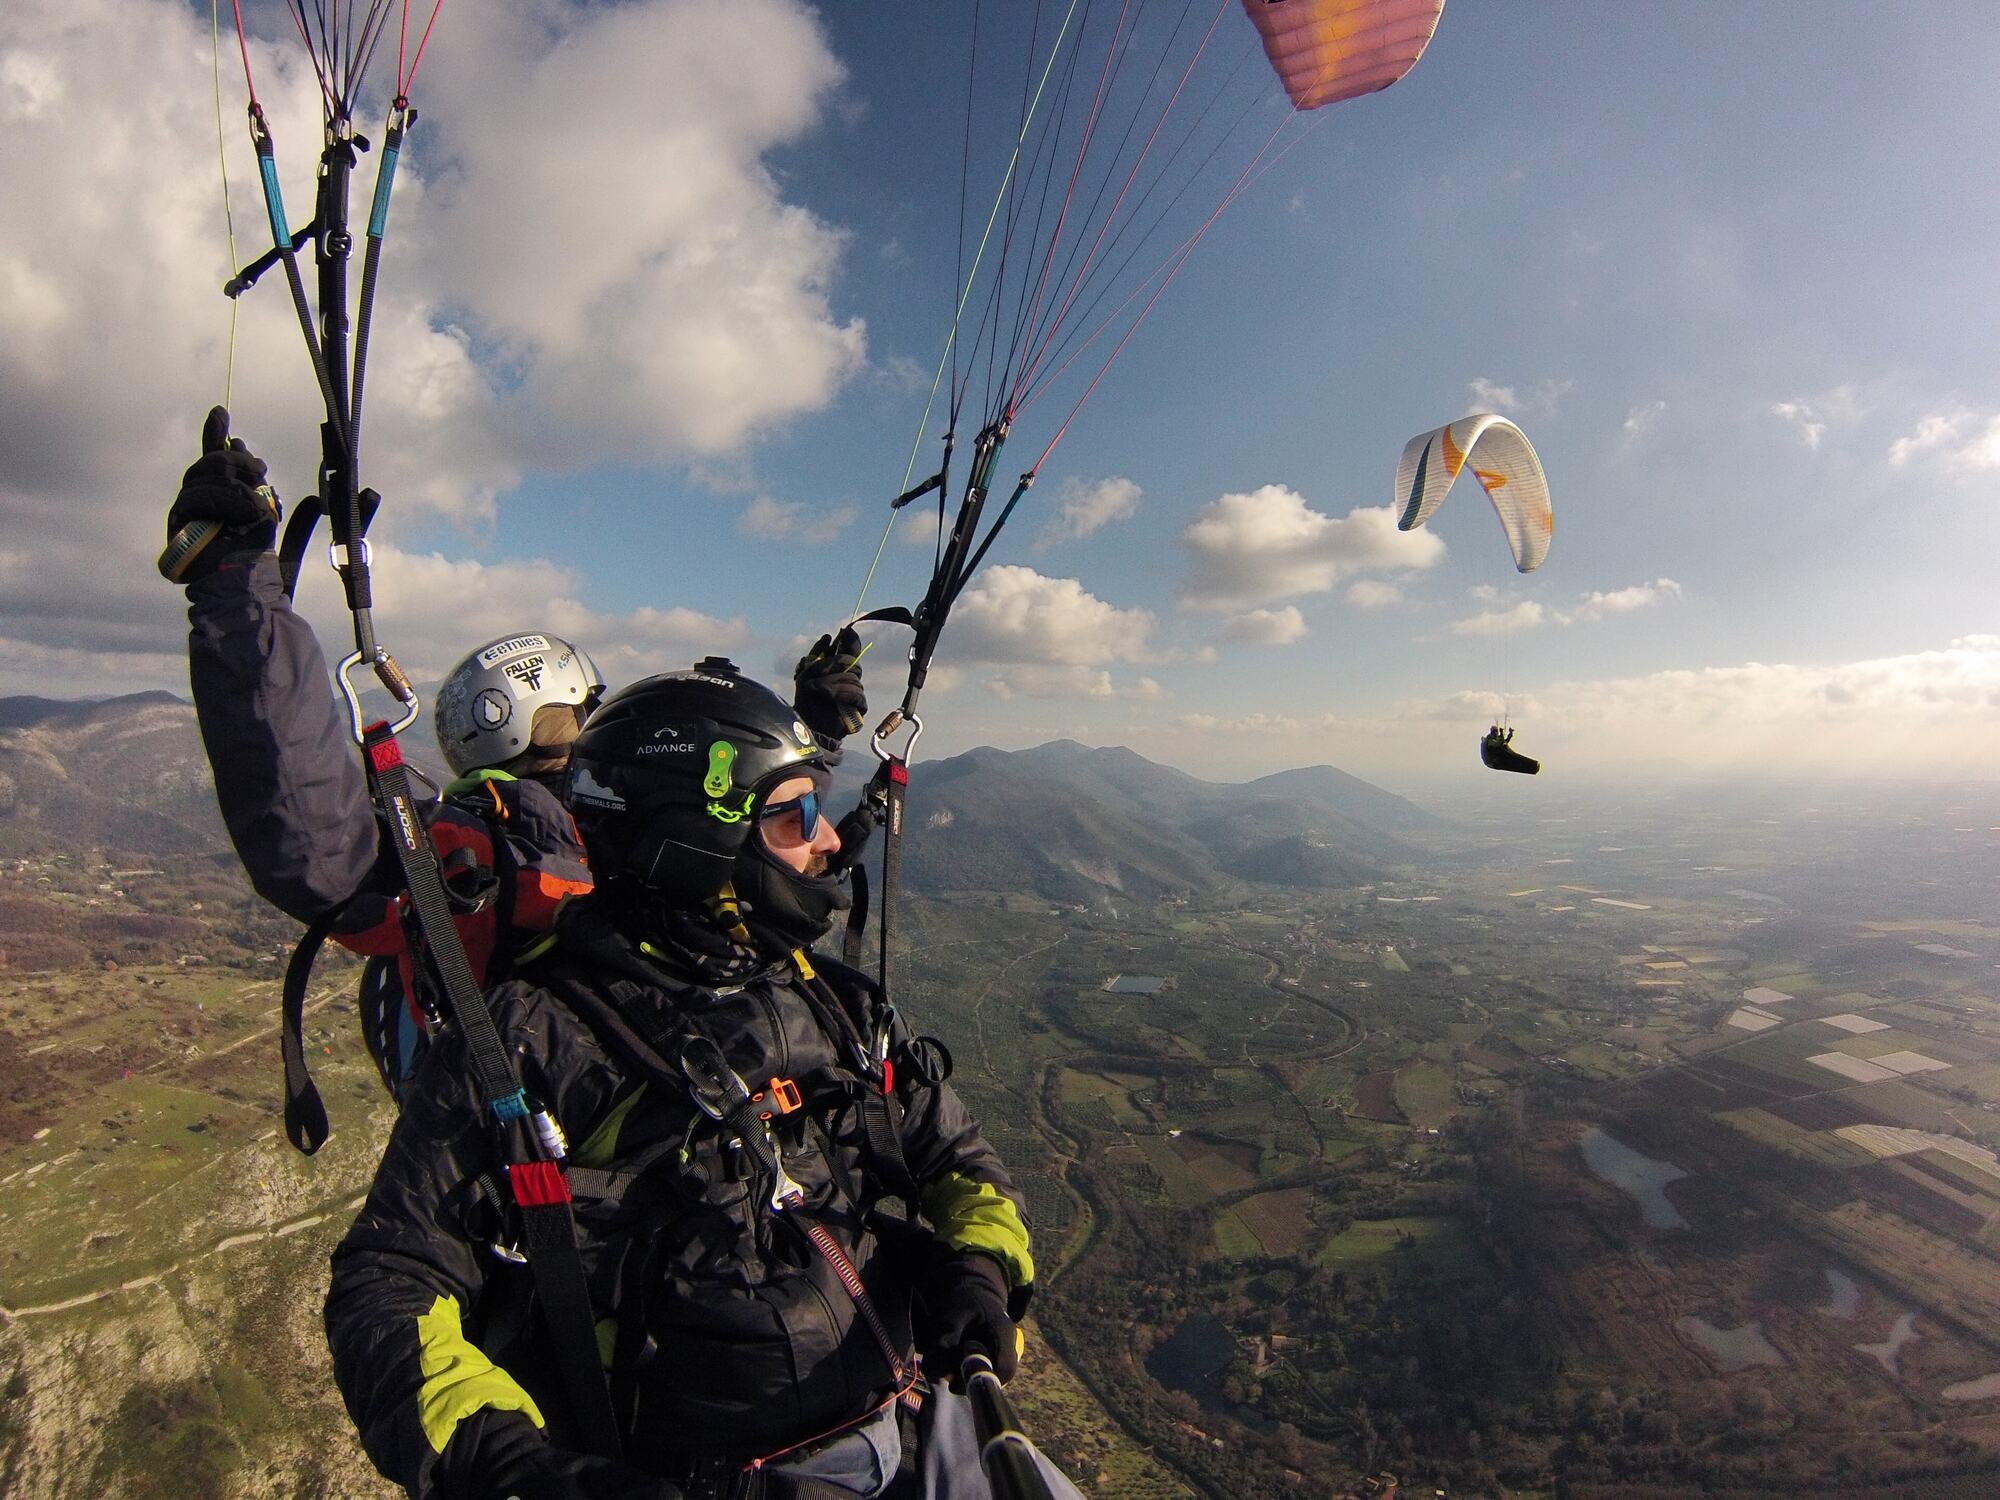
(726, 1331)
(288, 778)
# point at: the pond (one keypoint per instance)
(1134, 984)
(1846, 1300)
(1194, 1358)
(1732, 1348)
(1642, 1176)
(1886, 1352)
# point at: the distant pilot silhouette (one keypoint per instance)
(1497, 750)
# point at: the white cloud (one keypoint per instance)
(794, 521)
(1812, 417)
(1490, 395)
(1643, 418)
(433, 608)
(1255, 723)
(1268, 544)
(1962, 438)
(1267, 627)
(1523, 616)
(1011, 615)
(1055, 681)
(683, 303)
(1372, 593)
(1597, 604)
(661, 302)
(1087, 508)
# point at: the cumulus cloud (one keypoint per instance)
(1597, 604)
(684, 304)
(1523, 616)
(1960, 437)
(433, 607)
(1087, 508)
(664, 304)
(1372, 593)
(1643, 418)
(1267, 627)
(1268, 544)
(1490, 395)
(1812, 417)
(794, 521)
(1011, 615)
(1051, 681)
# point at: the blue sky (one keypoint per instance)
(661, 324)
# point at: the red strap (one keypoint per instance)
(385, 755)
(538, 1183)
(899, 773)
(888, 1076)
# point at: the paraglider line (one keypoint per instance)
(965, 296)
(1027, 373)
(228, 213)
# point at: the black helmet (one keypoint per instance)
(667, 776)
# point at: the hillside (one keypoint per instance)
(124, 773)
(1071, 823)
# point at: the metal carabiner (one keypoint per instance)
(896, 720)
(391, 677)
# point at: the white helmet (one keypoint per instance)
(485, 710)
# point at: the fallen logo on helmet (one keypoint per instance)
(528, 672)
(510, 646)
(588, 790)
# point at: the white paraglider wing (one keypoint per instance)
(1501, 458)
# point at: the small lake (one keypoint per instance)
(1886, 1352)
(1642, 1176)
(1135, 984)
(1846, 1300)
(1194, 1358)
(1974, 1390)
(1732, 1348)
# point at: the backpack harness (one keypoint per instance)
(676, 1053)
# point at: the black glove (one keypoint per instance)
(496, 1454)
(854, 830)
(964, 1299)
(226, 489)
(827, 686)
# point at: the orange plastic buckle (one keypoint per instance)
(783, 1094)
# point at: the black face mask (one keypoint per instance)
(783, 909)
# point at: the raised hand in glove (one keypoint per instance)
(964, 1298)
(501, 1455)
(827, 686)
(224, 506)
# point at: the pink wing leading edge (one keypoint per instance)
(1325, 51)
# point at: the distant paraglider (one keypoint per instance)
(1503, 461)
(1496, 749)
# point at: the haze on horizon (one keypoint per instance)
(1725, 269)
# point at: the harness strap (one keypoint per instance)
(548, 1238)
(892, 780)
(853, 940)
(540, 1191)
(306, 1125)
